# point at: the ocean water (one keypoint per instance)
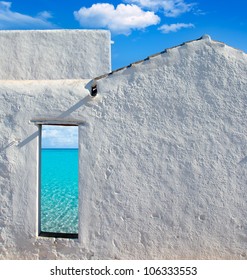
(59, 190)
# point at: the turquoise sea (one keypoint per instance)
(59, 190)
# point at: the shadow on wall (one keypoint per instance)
(84, 101)
(243, 161)
(65, 114)
(28, 139)
(12, 143)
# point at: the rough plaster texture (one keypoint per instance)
(21, 102)
(54, 54)
(163, 159)
(167, 177)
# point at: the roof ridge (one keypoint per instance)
(204, 37)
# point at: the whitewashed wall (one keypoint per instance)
(20, 102)
(167, 164)
(54, 54)
(163, 159)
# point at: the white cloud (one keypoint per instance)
(120, 20)
(14, 20)
(44, 15)
(171, 8)
(59, 136)
(167, 28)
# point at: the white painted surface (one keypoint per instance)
(163, 159)
(54, 54)
(22, 101)
(167, 166)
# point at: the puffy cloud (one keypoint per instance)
(120, 20)
(167, 28)
(14, 20)
(171, 8)
(59, 136)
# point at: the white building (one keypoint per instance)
(162, 147)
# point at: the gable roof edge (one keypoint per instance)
(94, 81)
(204, 37)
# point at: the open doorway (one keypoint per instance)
(59, 181)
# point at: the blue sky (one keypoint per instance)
(139, 27)
(59, 136)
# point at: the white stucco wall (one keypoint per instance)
(20, 102)
(163, 159)
(167, 170)
(54, 54)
